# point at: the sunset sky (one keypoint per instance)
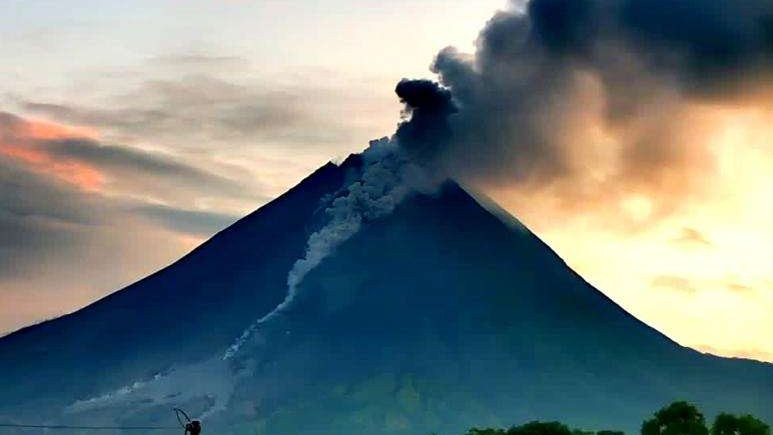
(131, 133)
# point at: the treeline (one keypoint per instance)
(679, 418)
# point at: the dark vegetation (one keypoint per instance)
(678, 418)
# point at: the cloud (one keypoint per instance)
(35, 215)
(198, 62)
(263, 130)
(73, 157)
(588, 105)
(737, 287)
(145, 168)
(671, 282)
(692, 238)
(41, 219)
(193, 222)
(17, 137)
(427, 130)
(195, 111)
(67, 154)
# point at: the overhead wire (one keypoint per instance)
(177, 412)
(64, 426)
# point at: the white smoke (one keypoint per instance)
(211, 378)
(386, 179)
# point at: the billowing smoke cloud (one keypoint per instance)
(591, 100)
(427, 131)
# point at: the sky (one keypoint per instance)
(130, 133)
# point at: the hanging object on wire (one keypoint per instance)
(192, 427)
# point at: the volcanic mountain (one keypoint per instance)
(443, 315)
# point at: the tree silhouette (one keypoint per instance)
(679, 418)
(729, 424)
(533, 428)
(540, 428)
(486, 431)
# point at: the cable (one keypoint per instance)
(62, 426)
(177, 412)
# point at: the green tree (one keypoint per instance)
(533, 428)
(678, 418)
(486, 431)
(540, 428)
(729, 424)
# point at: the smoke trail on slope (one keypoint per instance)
(387, 177)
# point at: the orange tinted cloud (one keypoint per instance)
(81, 175)
(42, 130)
(19, 140)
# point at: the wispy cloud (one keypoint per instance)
(53, 161)
(671, 282)
(199, 111)
(194, 222)
(690, 237)
(88, 164)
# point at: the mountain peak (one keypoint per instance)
(444, 314)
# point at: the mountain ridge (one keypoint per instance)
(477, 319)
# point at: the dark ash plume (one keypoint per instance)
(427, 131)
(589, 95)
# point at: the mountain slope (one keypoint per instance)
(179, 314)
(436, 318)
(480, 324)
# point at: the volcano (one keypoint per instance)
(445, 314)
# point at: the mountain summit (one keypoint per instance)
(442, 315)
